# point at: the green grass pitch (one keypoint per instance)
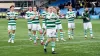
(76, 47)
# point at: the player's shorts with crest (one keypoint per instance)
(36, 27)
(58, 26)
(11, 27)
(71, 25)
(51, 32)
(87, 25)
(43, 25)
(29, 26)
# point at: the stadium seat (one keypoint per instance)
(94, 16)
(96, 9)
(58, 2)
(63, 11)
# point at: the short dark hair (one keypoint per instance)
(12, 6)
(46, 7)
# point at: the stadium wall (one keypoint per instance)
(6, 5)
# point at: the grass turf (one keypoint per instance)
(23, 47)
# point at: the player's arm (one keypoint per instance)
(8, 16)
(32, 17)
(68, 16)
(27, 16)
(38, 14)
(74, 14)
(84, 17)
(16, 16)
(42, 16)
(35, 15)
(49, 16)
(57, 16)
(88, 18)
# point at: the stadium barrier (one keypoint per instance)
(79, 17)
(94, 16)
(2, 14)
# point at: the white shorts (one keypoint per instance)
(29, 26)
(71, 25)
(43, 25)
(36, 27)
(11, 27)
(87, 25)
(51, 32)
(59, 26)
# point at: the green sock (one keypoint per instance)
(53, 45)
(85, 32)
(10, 35)
(69, 34)
(13, 36)
(29, 34)
(45, 45)
(36, 34)
(91, 32)
(57, 34)
(61, 34)
(72, 33)
(34, 38)
(41, 37)
(43, 31)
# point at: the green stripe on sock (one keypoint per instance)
(69, 32)
(61, 34)
(34, 38)
(91, 32)
(10, 35)
(85, 32)
(13, 36)
(29, 34)
(53, 44)
(57, 34)
(46, 44)
(72, 33)
(41, 37)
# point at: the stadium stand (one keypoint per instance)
(79, 11)
(58, 2)
(63, 10)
